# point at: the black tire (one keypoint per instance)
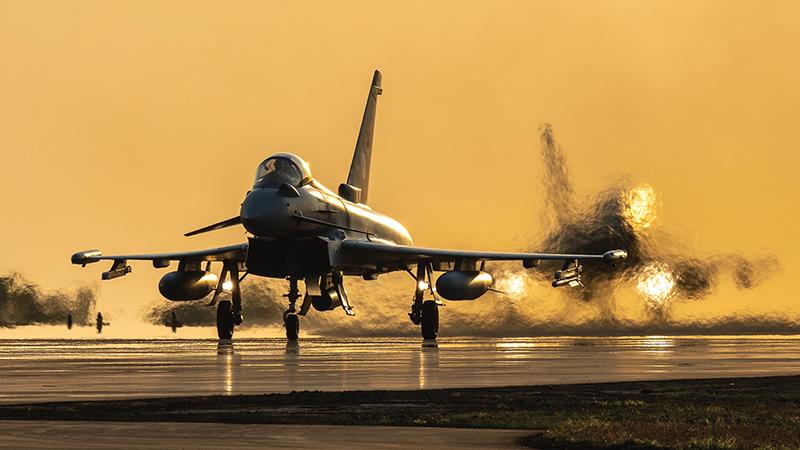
(292, 324)
(430, 320)
(224, 320)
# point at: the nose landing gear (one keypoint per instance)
(290, 319)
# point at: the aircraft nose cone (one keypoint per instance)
(264, 213)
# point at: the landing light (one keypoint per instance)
(422, 285)
(227, 286)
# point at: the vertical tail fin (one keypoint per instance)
(358, 177)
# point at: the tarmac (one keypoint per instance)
(159, 435)
(96, 369)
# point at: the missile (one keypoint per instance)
(571, 281)
(568, 273)
(568, 276)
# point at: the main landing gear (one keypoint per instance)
(224, 320)
(290, 319)
(430, 320)
(425, 313)
(229, 313)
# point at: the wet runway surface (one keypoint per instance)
(80, 435)
(59, 370)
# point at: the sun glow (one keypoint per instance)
(640, 206)
(656, 283)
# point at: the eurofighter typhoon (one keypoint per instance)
(299, 230)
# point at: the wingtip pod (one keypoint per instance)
(86, 257)
(615, 255)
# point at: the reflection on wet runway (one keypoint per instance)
(50, 370)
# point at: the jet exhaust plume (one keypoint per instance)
(624, 215)
(558, 185)
(260, 302)
(25, 303)
(381, 309)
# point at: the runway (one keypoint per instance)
(155, 435)
(61, 370)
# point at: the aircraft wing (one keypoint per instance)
(235, 253)
(388, 253)
(232, 252)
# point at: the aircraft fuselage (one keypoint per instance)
(295, 229)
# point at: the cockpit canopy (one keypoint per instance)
(282, 168)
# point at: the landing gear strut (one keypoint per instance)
(290, 319)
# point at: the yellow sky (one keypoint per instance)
(124, 124)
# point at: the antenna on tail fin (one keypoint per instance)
(357, 187)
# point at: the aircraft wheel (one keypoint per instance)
(430, 320)
(224, 320)
(292, 324)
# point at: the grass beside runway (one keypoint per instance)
(713, 413)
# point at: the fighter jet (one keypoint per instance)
(299, 230)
